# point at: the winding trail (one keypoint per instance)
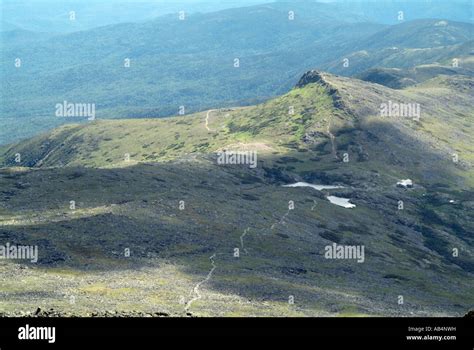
(196, 288)
(196, 291)
(282, 220)
(207, 118)
(242, 240)
(198, 285)
(333, 140)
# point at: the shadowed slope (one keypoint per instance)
(137, 207)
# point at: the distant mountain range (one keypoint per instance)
(53, 16)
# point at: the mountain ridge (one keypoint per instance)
(301, 136)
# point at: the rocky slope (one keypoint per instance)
(159, 226)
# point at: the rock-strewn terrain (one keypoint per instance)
(156, 221)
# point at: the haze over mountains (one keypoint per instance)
(134, 213)
(53, 16)
(191, 62)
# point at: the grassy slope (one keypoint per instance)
(135, 205)
(396, 78)
(104, 143)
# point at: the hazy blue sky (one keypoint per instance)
(53, 15)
